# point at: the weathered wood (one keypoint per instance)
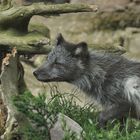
(31, 43)
(9, 85)
(9, 88)
(18, 17)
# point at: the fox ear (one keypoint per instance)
(59, 39)
(81, 49)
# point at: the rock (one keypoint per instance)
(104, 4)
(57, 133)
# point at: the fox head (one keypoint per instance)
(66, 62)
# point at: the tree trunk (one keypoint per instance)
(9, 88)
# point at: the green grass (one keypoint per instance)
(36, 108)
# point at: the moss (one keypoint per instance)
(27, 43)
(40, 28)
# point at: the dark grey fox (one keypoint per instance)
(112, 80)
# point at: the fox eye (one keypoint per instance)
(46, 57)
(57, 63)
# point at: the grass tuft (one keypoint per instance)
(42, 114)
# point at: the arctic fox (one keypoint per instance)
(112, 80)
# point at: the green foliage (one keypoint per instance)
(36, 110)
(42, 114)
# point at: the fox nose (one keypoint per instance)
(35, 73)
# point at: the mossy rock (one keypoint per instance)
(40, 28)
